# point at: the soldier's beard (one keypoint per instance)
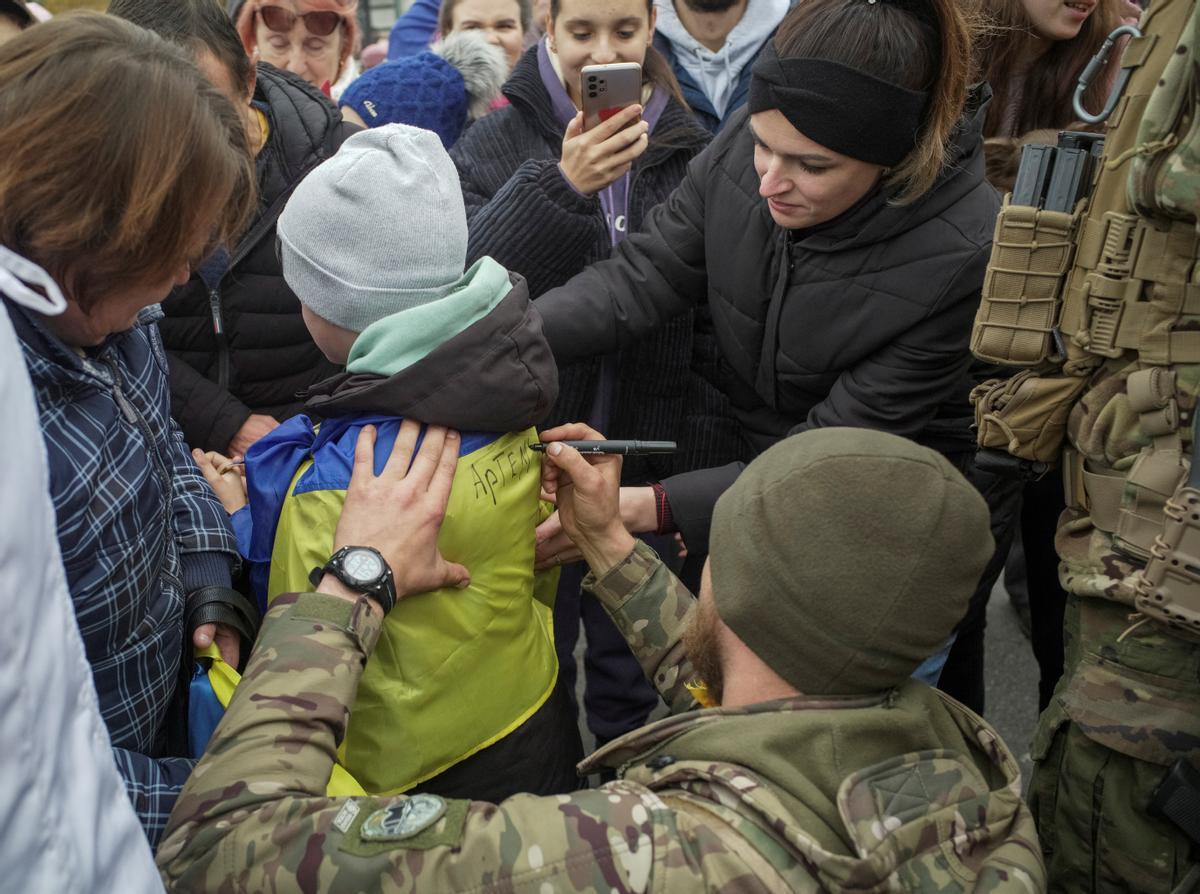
(702, 644)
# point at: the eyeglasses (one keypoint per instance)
(319, 24)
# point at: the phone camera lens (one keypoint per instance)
(591, 79)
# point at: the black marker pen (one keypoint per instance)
(619, 448)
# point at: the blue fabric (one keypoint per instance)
(415, 30)
(422, 91)
(213, 268)
(206, 569)
(204, 711)
(272, 461)
(131, 506)
(699, 102)
(243, 528)
(930, 670)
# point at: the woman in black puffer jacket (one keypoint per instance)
(839, 235)
(545, 208)
(239, 350)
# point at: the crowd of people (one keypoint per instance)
(287, 304)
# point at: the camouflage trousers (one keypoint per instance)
(1126, 708)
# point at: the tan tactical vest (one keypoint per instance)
(1066, 293)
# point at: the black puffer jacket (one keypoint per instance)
(241, 347)
(523, 213)
(863, 322)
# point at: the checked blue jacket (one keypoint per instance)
(138, 528)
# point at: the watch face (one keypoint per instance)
(364, 566)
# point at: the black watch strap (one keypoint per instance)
(384, 594)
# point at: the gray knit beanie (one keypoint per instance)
(845, 557)
(377, 229)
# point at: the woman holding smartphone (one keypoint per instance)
(838, 230)
(545, 198)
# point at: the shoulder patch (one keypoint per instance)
(403, 820)
(420, 822)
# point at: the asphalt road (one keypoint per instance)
(1011, 676)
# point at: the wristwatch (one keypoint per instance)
(363, 570)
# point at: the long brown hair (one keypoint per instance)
(116, 156)
(655, 68)
(923, 45)
(1049, 85)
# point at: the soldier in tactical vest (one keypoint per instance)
(1102, 303)
(840, 559)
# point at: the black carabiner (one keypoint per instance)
(1094, 67)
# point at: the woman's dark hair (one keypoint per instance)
(195, 24)
(655, 69)
(921, 45)
(1043, 99)
(446, 16)
(117, 159)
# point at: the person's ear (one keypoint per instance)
(653, 25)
(251, 80)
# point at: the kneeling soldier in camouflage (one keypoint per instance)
(840, 560)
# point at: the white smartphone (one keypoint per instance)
(607, 89)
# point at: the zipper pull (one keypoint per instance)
(127, 409)
(214, 303)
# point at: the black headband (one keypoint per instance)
(841, 108)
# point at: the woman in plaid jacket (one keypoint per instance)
(118, 166)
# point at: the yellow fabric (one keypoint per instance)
(700, 693)
(264, 130)
(454, 670)
(224, 679)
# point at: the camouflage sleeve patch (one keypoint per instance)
(652, 608)
(418, 823)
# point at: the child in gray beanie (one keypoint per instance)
(378, 229)
(466, 702)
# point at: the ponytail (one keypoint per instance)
(921, 45)
(948, 98)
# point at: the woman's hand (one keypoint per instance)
(255, 427)
(1129, 12)
(595, 159)
(226, 479)
(554, 546)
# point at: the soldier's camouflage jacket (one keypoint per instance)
(903, 791)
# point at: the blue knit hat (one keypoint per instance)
(454, 81)
(423, 91)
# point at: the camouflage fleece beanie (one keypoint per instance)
(845, 557)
